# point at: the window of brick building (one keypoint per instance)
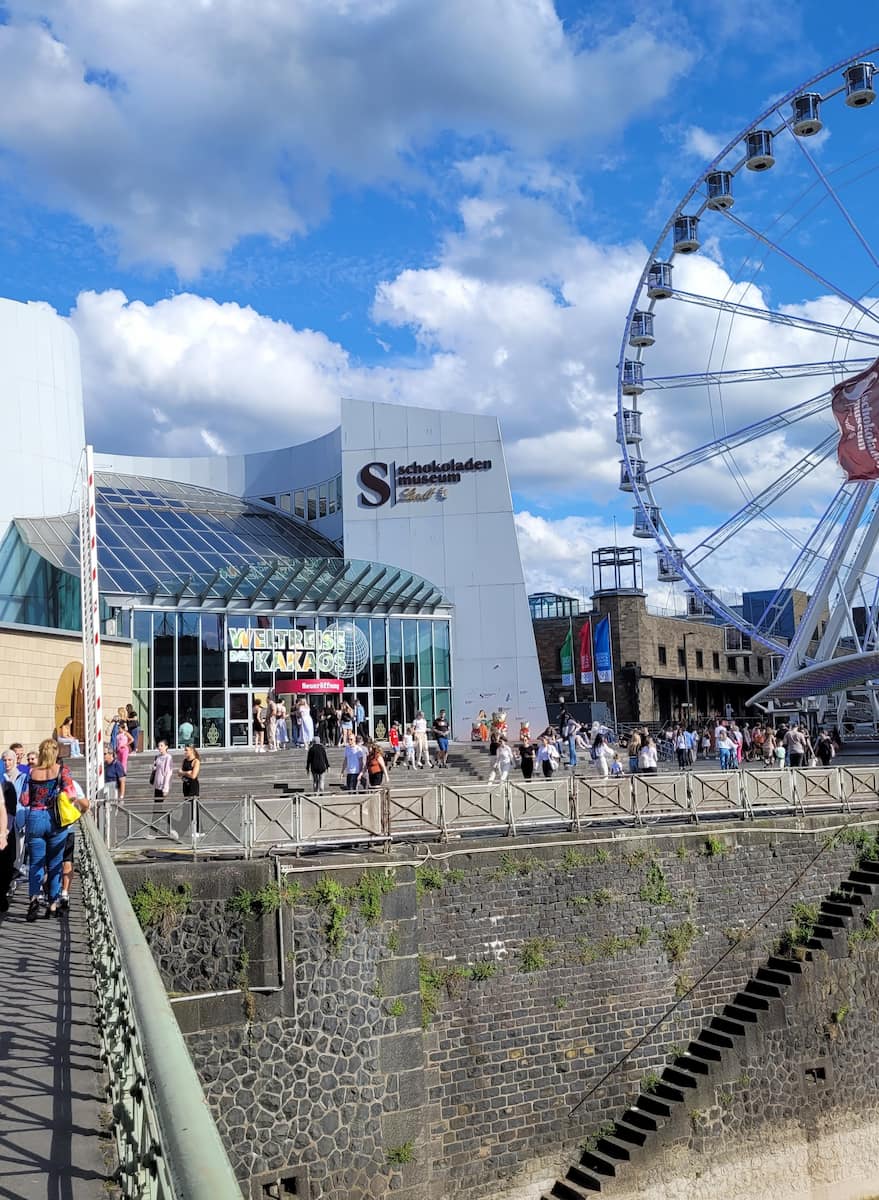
(731, 663)
(715, 659)
(682, 659)
(663, 657)
(760, 668)
(746, 664)
(700, 659)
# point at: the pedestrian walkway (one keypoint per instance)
(51, 1082)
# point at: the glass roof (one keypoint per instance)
(175, 544)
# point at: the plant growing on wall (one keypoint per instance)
(655, 889)
(160, 907)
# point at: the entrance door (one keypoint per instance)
(364, 695)
(239, 719)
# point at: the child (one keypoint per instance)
(409, 748)
(616, 767)
(394, 739)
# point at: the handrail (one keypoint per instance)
(168, 1145)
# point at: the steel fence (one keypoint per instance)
(167, 1144)
(301, 822)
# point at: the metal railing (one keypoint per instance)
(167, 1144)
(305, 822)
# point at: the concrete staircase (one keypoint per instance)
(230, 774)
(713, 1057)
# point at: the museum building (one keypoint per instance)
(378, 561)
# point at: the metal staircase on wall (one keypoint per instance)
(713, 1057)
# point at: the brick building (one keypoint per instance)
(660, 662)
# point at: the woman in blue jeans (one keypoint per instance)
(42, 830)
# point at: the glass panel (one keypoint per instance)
(339, 491)
(188, 722)
(187, 649)
(410, 654)
(395, 652)
(441, 656)
(395, 708)
(213, 718)
(285, 501)
(443, 699)
(410, 704)
(312, 503)
(164, 722)
(379, 666)
(425, 653)
(322, 500)
(163, 650)
(238, 659)
(362, 679)
(332, 495)
(212, 649)
(299, 504)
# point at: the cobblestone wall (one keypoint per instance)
(542, 974)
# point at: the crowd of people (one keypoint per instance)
(732, 744)
(41, 802)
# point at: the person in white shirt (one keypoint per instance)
(407, 748)
(547, 756)
(603, 756)
(647, 758)
(419, 732)
(503, 762)
(725, 749)
(352, 768)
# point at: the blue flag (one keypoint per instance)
(601, 641)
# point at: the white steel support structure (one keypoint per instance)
(91, 632)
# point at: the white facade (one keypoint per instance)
(41, 406)
(460, 535)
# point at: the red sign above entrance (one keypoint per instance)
(300, 686)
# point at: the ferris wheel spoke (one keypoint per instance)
(796, 262)
(774, 317)
(834, 195)
(757, 506)
(729, 441)
(811, 552)
(755, 374)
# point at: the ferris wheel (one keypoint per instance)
(747, 394)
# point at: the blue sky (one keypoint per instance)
(249, 209)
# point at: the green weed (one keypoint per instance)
(398, 1155)
(535, 952)
(655, 889)
(678, 940)
(482, 970)
(396, 1008)
(650, 1082)
(160, 907)
(714, 847)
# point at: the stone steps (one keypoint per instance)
(709, 1058)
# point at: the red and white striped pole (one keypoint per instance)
(91, 632)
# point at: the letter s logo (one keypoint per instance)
(374, 487)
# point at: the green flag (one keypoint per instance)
(567, 659)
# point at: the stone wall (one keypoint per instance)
(542, 977)
(31, 664)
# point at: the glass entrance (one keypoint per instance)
(239, 719)
(364, 695)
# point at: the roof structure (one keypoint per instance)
(171, 544)
(820, 679)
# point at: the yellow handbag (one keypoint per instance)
(68, 813)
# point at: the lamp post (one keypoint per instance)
(687, 676)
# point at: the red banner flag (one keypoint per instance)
(855, 404)
(586, 652)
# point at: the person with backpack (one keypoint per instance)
(46, 837)
(317, 763)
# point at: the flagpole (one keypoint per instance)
(613, 686)
(574, 658)
(592, 656)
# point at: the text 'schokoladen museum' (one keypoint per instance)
(379, 560)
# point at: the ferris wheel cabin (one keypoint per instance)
(686, 235)
(659, 281)
(646, 521)
(641, 329)
(758, 150)
(668, 564)
(719, 184)
(859, 89)
(633, 377)
(630, 429)
(638, 475)
(806, 121)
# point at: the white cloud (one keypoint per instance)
(185, 127)
(701, 144)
